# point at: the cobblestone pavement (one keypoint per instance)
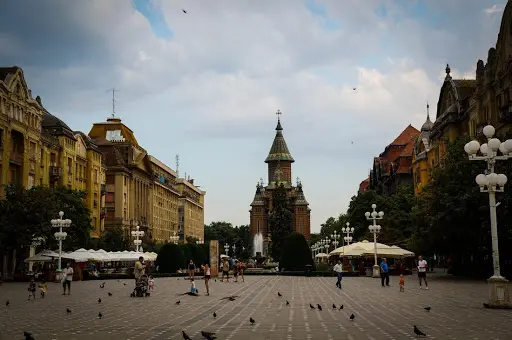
(380, 312)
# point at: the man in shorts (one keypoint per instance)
(225, 270)
(67, 278)
(422, 271)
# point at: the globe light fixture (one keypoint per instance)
(492, 183)
(335, 237)
(375, 229)
(347, 231)
(60, 235)
(174, 239)
(137, 234)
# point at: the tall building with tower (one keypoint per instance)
(279, 164)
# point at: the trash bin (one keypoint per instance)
(309, 269)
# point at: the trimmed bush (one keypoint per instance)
(188, 254)
(170, 258)
(197, 253)
(295, 254)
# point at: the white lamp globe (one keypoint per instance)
(347, 224)
(508, 145)
(367, 214)
(466, 148)
(481, 180)
(381, 213)
(371, 228)
(492, 178)
(374, 206)
(61, 213)
(489, 131)
(484, 149)
(503, 148)
(343, 229)
(494, 144)
(502, 180)
(378, 228)
(374, 214)
(352, 229)
(473, 146)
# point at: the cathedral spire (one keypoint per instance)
(279, 150)
(427, 126)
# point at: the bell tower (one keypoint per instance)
(279, 159)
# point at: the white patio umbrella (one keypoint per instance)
(44, 256)
(81, 255)
(321, 255)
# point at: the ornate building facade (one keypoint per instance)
(141, 190)
(279, 163)
(465, 106)
(39, 149)
(393, 166)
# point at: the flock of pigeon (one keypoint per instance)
(212, 336)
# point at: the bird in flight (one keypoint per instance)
(184, 11)
(353, 89)
(418, 332)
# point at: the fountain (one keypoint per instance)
(257, 245)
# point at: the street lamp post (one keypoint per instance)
(137, 233)
(348, 230)
(234, 250)
(226, 249)
(335, 238)
(492, 183)
(174, 239)
(200, 241)
(375, 229)
(60, 235)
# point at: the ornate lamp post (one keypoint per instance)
(36, 242)
(327, 244)
(200, 241)
(60, 235)
(226, 249)
(348, 230)
(375, 229)
(174, 239)
(492, 183)
(137, 233)
(335, 238)
(234, 250)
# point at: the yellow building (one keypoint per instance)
(191, 209)
(141, 190)
(465, 106)
(164, 201)
(37, 148)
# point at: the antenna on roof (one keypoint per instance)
(177, 166)
(113, 90)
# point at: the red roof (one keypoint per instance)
(405, 137)
(364, 185)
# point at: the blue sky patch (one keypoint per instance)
(155, 18)
(318, 10)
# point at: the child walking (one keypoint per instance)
(151, 283)
(402, 282)
(32, 288)
(42, 288)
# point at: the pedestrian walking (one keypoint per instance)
(384, 272)
(338, 269)
(422, 271)
(207, 277)
(191, 270)
(68, 277)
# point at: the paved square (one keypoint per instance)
(380, 313)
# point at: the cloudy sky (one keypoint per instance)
(206, 84)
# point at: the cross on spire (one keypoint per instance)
(278, 114)
(428, 110)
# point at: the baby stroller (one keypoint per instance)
(141, 287)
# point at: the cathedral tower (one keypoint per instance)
(279, 162)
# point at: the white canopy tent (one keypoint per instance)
(44, 256)
(321, 255)
(365, 248)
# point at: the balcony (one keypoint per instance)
(55, 172)
(16, 158)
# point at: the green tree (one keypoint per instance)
(113, 239)
(185, 248)
(280, 220)
(170, 258)
(295, 252)
(35, 208)
(452, 215)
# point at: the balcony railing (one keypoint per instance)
(55, 172)
(16, 158)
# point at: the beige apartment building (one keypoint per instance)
(191, 209)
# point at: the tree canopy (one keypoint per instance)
(225, 233)
(25, 214)
(295, 252)
(170, 258)
(280, 220)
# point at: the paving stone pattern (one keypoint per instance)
(380, 312)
